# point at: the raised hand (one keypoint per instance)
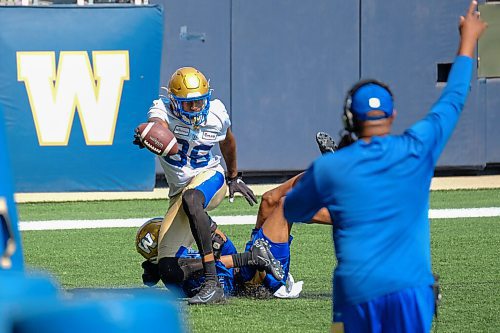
(471, 27)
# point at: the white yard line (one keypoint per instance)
(117, 223)
(464, 212)
(226, 220)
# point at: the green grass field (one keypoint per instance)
(466, 254)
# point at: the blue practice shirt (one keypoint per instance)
(377, 194)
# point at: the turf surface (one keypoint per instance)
(151, 208)
(465, 254)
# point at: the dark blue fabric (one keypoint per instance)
(225, 275)
(280, 251)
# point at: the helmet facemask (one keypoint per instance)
(189, 95)
(194, 118)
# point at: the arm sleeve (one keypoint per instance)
(304, 200)
(436, 128)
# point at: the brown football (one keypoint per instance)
(158, 139)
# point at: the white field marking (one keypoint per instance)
(463, 212)
(226, 220)
(118, 223)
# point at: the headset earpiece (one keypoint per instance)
(347, 117)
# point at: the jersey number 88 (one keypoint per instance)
(198, 157)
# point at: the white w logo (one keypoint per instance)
(55, 96)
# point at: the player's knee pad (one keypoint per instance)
(217, 244)
(217, 240)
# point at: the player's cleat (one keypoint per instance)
(211, 292)
(325, 143)
(264, 259)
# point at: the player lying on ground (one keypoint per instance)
(186, 271)
(272, 226)
(271, 232)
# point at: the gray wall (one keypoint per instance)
(282, 69)
(490, 102)
(290, 67)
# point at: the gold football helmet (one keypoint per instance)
(189, 94)
(146, 240)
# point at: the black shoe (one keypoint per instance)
(325, 143)
(264, 259)
(211, 292)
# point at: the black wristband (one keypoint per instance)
(238, 175)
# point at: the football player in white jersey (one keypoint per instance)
(269, 249)
(194, 175)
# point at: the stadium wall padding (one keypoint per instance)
(407, 58)
(74, 83)
(290, 63)
(282, 69)
(490, 101)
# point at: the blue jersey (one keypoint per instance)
(280, 251)
(225, 275)
(377, 194)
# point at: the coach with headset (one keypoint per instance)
(377, 192)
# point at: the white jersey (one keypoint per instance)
(195, 144)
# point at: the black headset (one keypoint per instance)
(348, 117)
